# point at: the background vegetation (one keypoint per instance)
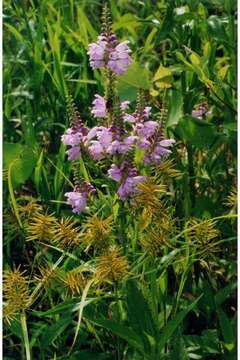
(177, 300)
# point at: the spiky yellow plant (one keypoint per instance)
(167, 170)
(66, 233)
(203, 236)
(98, 233)
(15, 293)
(46, 275)
(74, 282)
(112, 266)
(41, 227)
(231, 200)
(30, 209)
(156, 237)
(9, 313)
(148, 198)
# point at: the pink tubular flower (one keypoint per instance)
(129, 186)
(119, 58)
(96, 53)
(159, 151)
(98, 148)
(78, 197)
(73, 153)
(77, 200)
(147, 111)
(130, 118)
(124, 105)
(127, 176)
(115, 173)
(72, 137)
(146, 129)
(99, 107)
(144, 144)
(121, 147)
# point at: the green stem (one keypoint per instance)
(191, 177)
(25, 335)
(195, 226)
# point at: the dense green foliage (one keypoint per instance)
(171, 292)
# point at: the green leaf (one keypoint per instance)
(81, 306)
(126, 91)
(11, 152)
(179, 349)
(53, 331)
(173, 325)
(136, 76)
(223, 293)
(67, 306)
(216, 29)
(22, 160)
(127, 20)
(139, 314)
(167, 23)
(163, 78)
(124, 332)
(12, 195)
(227, 330)
(204, 345)
(37, 171)
(175, 106)
(196, 132)
(88, 355)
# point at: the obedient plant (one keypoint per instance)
(119, 133)
(151, 253)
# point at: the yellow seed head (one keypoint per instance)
(111, 267)
(74, 282)
(167, 170)
(149, 199)
(30, 209)
(65, 233)
(231, 200)
(98, 233)
(15, 292)
(46, 275)
(202, 231)
(40, 227)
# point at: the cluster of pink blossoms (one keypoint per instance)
(74, 137)
(128, 131)
(78, 197)
(145, 134)
(135, 130)
(107, 53)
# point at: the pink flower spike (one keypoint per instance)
(146, 129)
(104, 136)
(147, 111)
(167, 142)
(73, 153)
(96, 150)
(129, 187)
(96, 53)
(99, 107)
(71, 137)
(119, 59)
(77, 200)
(129, 118)
(115, 173)
(124, 105)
